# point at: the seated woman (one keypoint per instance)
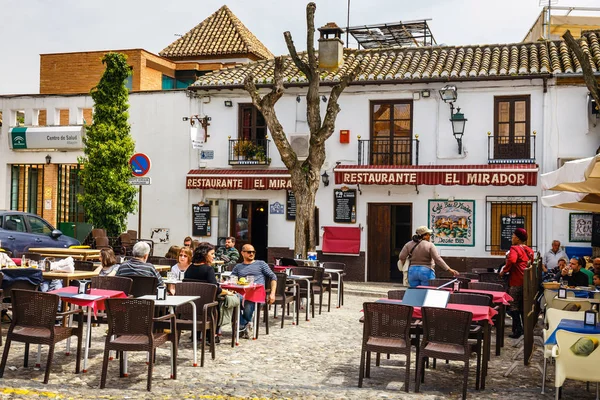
(109, 265)
(184, 258)
(173, 252)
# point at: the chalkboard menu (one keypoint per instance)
(508, 224)
(200, 220)
(290, 206)
(344, 206)
(596, 230)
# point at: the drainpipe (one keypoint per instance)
(546, 216)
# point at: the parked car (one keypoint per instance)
(20, 230)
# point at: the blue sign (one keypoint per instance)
(276, 208)
(140, 164)
(207, 154)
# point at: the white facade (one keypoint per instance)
(559, 116)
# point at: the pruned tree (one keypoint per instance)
(108, 197)
(305, 175)
(586, 66)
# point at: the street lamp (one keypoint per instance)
(48, 159)
(325, 178)
(449, 94)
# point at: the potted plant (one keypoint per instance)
(244, 149)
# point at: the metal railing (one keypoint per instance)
(519, 150)
(249, 152)
(397, 151)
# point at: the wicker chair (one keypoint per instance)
(285, 261)
(335, 284)
(494, 287)
(33, 322)
(386, 330)
(132, 234)
(156, 260)
(318, 288)
(469, 275)
(102, 242)
(32, 256)
(396, 294)
(206, 313)
(471, 298)
(130, 328)
(302, 286)
(167, 261)
(284, 296)
(143, 285)
(445, 336)
(121, 283)
(492, 277)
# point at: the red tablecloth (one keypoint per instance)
(498, 297)
(97, 304)
(480, 313)
(255, 293)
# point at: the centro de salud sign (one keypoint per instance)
(46, 137)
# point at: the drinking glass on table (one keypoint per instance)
(33, 264)
(250, 279)
(233, 279)
(171, 276)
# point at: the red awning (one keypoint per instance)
(341, 240)
(461, 175)
(238, 179)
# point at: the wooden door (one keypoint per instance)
(249, 224)
(378, 243)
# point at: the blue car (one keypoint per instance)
(20, 231)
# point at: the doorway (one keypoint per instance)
(389, 229)
(249, 223)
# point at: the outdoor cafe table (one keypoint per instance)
(255, 293)
(67, 277)
(93, 301)
(482, 314)
(173, 302)
(502, 299)
(572, 325)
(78, 254)
(339, 273)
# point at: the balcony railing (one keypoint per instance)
(249, 152)
(516, 150)
(398, 151)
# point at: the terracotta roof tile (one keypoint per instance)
(222, 33)
(452, 63)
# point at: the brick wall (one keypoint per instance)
(66, 73)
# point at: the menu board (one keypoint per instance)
(290, 206)
(508, 224)
(596, 230)
(200, 219)
(344, 206)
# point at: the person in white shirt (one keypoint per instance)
(552, 256)
(6, 261)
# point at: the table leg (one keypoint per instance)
(307, 298)
(256, 319)
(38, 357)
(339, 289)
(501, 327)
(195, 333)
(125, 374)
(486, 352)
(236, 334)
(87, 338)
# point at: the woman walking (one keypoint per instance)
(423, 258)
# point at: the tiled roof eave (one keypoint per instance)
(393, 81)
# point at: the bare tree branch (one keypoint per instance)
(310, 35)
(266, 105)
(301, 65)
(584, 60)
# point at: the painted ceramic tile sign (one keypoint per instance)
(452, 222)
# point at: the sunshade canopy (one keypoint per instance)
(581, 176)
(573, 201)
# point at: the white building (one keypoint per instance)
(527, 111)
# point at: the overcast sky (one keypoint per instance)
(33, 27)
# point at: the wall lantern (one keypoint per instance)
(325, 178)
(449, 94)
(48, 159)
(228, 103)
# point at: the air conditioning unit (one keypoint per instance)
(300, 143)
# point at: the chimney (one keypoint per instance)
(331, 47)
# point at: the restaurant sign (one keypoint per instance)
(478, 175)
(242, 180)
(47, 137)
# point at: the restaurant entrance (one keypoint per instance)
(389, 228)
(249, 223)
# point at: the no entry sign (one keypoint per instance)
(140, 164)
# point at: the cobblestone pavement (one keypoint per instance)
(315, 360)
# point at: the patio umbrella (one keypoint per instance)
(573, 201)
(581, 176)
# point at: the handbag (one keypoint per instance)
(404, 268)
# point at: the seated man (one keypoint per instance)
(576, 277)
(259, 270)
(554, 272)
(138, 266)
(228, 254)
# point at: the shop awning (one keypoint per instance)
(239, 179)
(573, 201)
(341, 240)
(449, 175)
